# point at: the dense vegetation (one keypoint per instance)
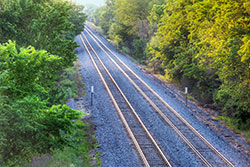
(202, 44)
(33, 77)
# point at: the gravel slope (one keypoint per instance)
(115, 146)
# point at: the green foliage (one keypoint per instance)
(78, 155)
(139, 48)
(132, 13)
(202, 44)
(34, 83)
(67, 86)
(29, 123)
(234, 124)
(103, 16)
(29, 71)
(206, 42)
(125, 23)
(57, 125)
(155, 16)
(47, 25)
(31, 128)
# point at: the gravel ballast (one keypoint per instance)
(115, 145)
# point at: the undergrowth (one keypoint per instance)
(231, 123)
(78, 155)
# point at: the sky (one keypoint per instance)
(88, 2)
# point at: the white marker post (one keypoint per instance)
(92, 93)
(186, 92)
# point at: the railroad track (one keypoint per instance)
(146, 146)
(207, 153)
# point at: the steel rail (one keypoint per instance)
(94, 37)
(138, 148)
(163, 116)
(130, 106)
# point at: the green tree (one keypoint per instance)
(125, 22)
(29, 125)
(47, 24)
(32, 88)
(207, 42)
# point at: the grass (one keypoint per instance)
(79, 155)
(191, 98)
(77, 78)
(98, 159)
(230, 122)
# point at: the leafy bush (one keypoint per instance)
(30, 128)
(29, 123)
(31, 81)
(29, 71)
(139, 49)
(78, 155)
(207, 42)
(57, 125)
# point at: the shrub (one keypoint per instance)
(29, 123)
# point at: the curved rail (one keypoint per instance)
(164, 102)
(138, 148)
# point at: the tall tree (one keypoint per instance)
(207, 42)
